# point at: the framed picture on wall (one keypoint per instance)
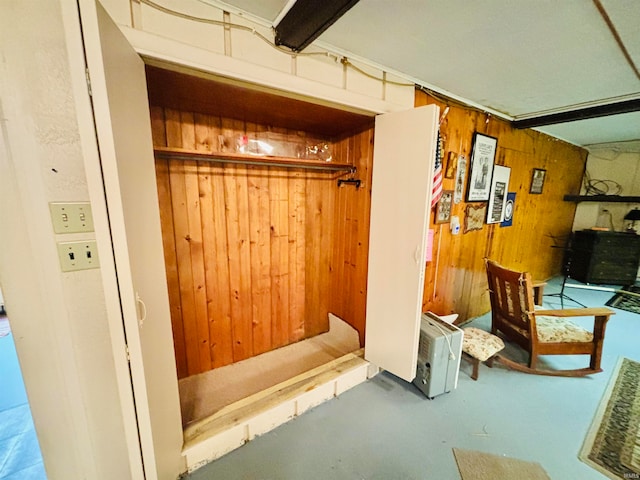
(509, 208)
(537, 180)
(443, 207)
(498, 198)
(482, 157)
(452, 165)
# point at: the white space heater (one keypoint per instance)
(439, 355)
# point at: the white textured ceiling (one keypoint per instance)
(522, 58)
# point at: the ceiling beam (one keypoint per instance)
(616, 108)
(307, 19)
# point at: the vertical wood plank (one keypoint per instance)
(209, 255)
(240, 349)
(183, 252)
(279, 259)
(328, 188)
(297, 272)
(204, 132)
(220, 306)
(171, 264)
(259, 233)
(235, 187)
(158, 132)
(246, 318)
(317, 263)
(194, 239)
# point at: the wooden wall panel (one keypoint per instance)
(257, 256)
(455, 281)
(349, 261)
(247, 248)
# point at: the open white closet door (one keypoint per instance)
(403, 160)
(122, 121)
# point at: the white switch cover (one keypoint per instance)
(81, 255)
(71, 217)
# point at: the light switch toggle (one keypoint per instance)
(81, 255)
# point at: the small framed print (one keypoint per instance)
(443, 207)
(537, 180)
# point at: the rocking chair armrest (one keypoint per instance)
(600, 317)
(538, 291)
(577, 312)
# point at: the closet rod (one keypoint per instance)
(181, 154)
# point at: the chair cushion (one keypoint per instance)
(480, 344)
(556, 329)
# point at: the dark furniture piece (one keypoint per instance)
(605, 257)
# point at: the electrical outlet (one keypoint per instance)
(81, 255)
(71, 217)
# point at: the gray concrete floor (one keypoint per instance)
(386, 429)
(20, 457)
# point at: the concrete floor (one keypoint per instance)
(385, 429)
(20, 457)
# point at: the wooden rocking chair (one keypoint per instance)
(541, 332)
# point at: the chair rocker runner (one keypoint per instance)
(541, 332)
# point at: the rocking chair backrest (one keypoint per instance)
(511, 295)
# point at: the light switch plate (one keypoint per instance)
(71, 217)
(81, 255)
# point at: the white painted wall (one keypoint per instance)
(64, 330)
(242, 54)
(616, 166)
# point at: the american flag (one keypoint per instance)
(436, 190)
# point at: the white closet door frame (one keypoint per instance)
(123, 132)
(403, 161)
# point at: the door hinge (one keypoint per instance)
(126, 349)
(86, 74)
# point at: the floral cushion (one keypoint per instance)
(480, 344)
(555, 329)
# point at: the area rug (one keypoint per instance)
(627, 302)
(612, 445)
(475, 465)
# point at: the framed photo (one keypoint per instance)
(443, 207)
(452, 165)
(498, 198)
(482, 157)
(474, 217)
(509, 207)
(537, 180)
(461, 171)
